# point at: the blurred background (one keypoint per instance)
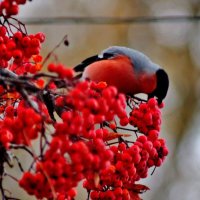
(174, 44)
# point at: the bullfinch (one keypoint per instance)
(129, 70)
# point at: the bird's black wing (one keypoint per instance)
(80, 68)
(85, 63)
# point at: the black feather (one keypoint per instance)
(84, 63)
(90, 60)
(162, 86)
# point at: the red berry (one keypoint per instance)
(148, 145)
(17, 36)
(26, 41)
(94, 195)
(17, 54)
(161, 105)
(165, 151)
(142, 139)
(3, 31)
(11, 45)
(40, 36)
(148, 119)
(68, 73)
(157, 144)
(158, 163)
(143, 107)
(112, 126)
(20, 1)
(34, 43)
(51, 67)
(122, 146)
(153, 135)
(59, 101)
(124, 121)
(3, 49)
(13, 10)
(152, 103)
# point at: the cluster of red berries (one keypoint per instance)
(54, 175)
(80, 146)
(87, 105)
(19, 52)
(77, 149)
(147, 116)
(10, 7)
(6, 136)
(129, 165)
(18, 127)
(19, 49)
(109, 171)
(117, 193)
(61, 70)
(64, 165)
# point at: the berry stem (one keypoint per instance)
(53, 50)
(17, 146)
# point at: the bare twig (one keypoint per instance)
(53, 50)
(110, 20)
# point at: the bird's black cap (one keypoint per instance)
(162, 85)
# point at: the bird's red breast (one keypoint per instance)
(119, 72)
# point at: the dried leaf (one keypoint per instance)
(114, 135)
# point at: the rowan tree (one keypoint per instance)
(86, 131)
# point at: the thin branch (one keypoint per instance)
(13, 146)
(117, 142)
(153, 171)
(126, 129)
(39, 75)
(53, 50)
(110, 20)
(12, 177)
(88, 196)
(19, 164)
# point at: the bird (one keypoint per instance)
(129, 70)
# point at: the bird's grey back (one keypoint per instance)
(138, 59)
